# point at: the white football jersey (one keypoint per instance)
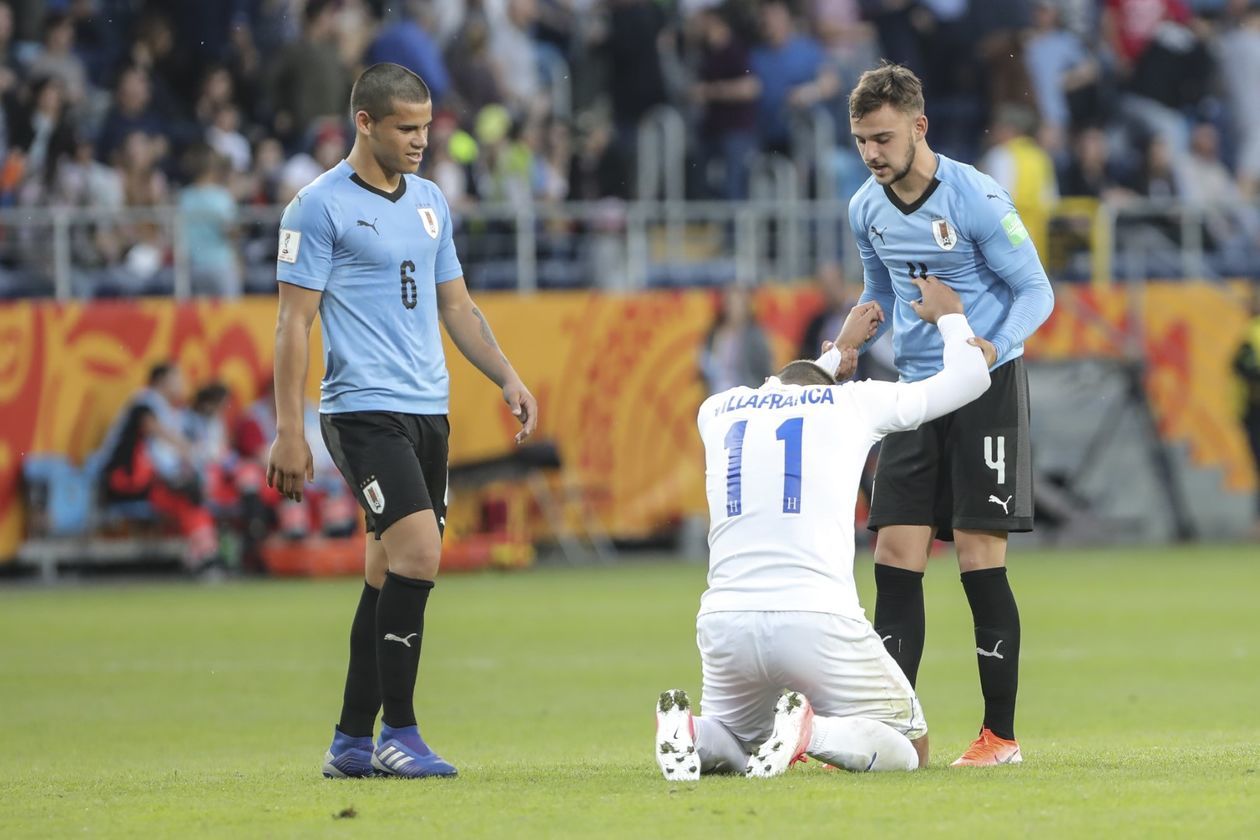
(782, 466)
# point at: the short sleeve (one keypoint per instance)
(305, 251)
(446, 267)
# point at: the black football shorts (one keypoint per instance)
(394, 463)
(970, 469)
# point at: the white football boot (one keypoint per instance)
(676, 737)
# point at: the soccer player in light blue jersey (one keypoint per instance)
(367, 246)
(966, 476)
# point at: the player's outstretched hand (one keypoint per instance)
(524, 406)
(861, 325)
(289, 464)
(986, 346)
(937, 299)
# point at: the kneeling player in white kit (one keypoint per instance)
(781, 612)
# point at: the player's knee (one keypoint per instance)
(980, 550)
(901, 554)
(418, 563)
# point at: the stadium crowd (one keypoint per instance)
(214, 106)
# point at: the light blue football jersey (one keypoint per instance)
(377, 257)
(965, 231)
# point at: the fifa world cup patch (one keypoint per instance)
(944, 234)
(290, 241)
(373, 495)
(428, 216)
(1014, 227)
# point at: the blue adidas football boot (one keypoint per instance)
(402, 752)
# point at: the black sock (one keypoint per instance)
(399, 631)
(899, 616)
(362, 699)
(996, 618)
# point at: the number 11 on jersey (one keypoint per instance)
(790, 433)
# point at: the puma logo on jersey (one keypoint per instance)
(1002, 502)
(390, 637)
(880, 233)
(992, 653)
(371, 224)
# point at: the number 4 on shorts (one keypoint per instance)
(997, 464)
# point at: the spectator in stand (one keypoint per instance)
(794, 72)
(9, 76)
(1165, 66)
(1091, 173)
(515, 58)
(556, 161)
(263, 186)
(851, 44)
(473, 75)
(596, 172)
(209, 213)
(635, 31)
(449, 174)
(328, 147)
(727, 91)
(224, 136)
(1064, 77)
(1024, 170)
(1159, 177)
(735, 351)
(408, 42)
(144, 187)
(894, 21)
(131, 112)
(1207, 185)
(172, 78)
(307, 81)
(40, 128)
(217, 89)
(1240, 70)
(58, 59)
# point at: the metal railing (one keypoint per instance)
(778, 236)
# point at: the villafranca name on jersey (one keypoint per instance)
(819, 395)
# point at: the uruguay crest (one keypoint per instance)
(430, 220)
(375, 498)
(944, 234)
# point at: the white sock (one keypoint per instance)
(861, 744)
(720, 751)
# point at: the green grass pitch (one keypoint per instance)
(182, 710)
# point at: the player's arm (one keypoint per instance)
(471, 332)
(876, 281)
(964, 375)
(303, 266)
(1008, 250)
(290, 463)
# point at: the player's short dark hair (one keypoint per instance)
(804, 372)
(159, 372)
(381, 85)
(888, 84)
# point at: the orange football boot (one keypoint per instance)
(989, 750)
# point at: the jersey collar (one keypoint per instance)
(398, 192)
(907, 209)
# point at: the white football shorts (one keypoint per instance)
(839, 663)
